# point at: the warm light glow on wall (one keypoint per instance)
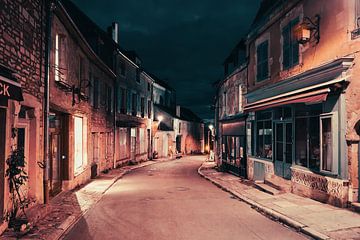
(78, 140)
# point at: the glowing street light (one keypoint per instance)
(211, 127)
(160, 118)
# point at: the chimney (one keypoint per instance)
(178, 112)
(113, 31)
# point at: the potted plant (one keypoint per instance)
(17, 178)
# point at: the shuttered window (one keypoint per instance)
(262, 65)
(290, 45)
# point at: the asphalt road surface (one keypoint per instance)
(171, 201)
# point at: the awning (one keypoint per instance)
(309, 97)
(129, 124)
(10, 89)
(233, 128)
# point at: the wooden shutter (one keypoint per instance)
(286, 46)
(294, 43)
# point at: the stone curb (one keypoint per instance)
(72, 220)
(268, 211)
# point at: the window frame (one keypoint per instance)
(260, 62)
(291, 45)
(255, 150)
(335, 142)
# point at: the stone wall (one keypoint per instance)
(325, 189)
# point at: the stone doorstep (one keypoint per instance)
(267, 189)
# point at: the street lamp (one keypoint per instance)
(211, 157)
(159, 118)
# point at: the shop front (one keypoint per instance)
(233, 141)
(10, 90)
(297, 136)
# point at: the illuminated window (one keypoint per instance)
(78, 141)
(59, 57)
(142, 140)
(240, 98)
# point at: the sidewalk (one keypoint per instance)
(67, 208)
(318, 220)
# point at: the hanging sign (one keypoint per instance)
(10, 89)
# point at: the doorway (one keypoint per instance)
(283, 149)
(133, 144)
(56, 153)
(178, 143)
(2, 159)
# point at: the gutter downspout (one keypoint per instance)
(115, 106)
(49, 15)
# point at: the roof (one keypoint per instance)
(266, 7)
(92, 32)
(188, 115)
(161, 82)
(95, 35)
(239, 46)
(185, 113)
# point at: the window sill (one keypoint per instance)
(257, 81)
(63, 85)
(261, 159)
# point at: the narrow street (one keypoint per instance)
(171, 201)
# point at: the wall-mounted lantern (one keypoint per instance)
(310, 27)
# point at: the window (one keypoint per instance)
(91, 89)
(96, 93)
(262, 64)
(122, 68)
(307, 137)
(224, 103)
(142, 106)
(328, 143)
(148, 87)
(290, 45)
(109, 103)
(356, 32)
(134, 104)
(78, 141)
(59, 65)
(179, 127)
(129, 101)
(81, 70)
(357, 14)
(142, 140)
(138, 75)
(240, 98)
(149, 109)
(264, 135)
(122, 101)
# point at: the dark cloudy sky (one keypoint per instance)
(182, 41)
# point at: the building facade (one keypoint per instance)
(81, 121)
(230, 118)
(22, 44)
(302, 121)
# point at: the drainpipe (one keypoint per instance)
(46, 182)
